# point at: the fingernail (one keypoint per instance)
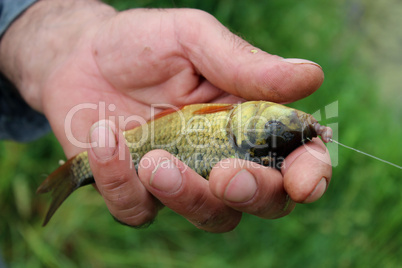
(103, 140)
(241, 188)
(166, 177)
(301, 61)
(317, 192)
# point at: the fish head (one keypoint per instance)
(265, 129)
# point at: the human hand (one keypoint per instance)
(130, 60)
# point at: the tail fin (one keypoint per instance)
(61, 183)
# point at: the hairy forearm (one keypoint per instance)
(42, 37)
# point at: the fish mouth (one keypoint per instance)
(323, 131)
(314, 129)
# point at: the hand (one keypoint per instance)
(130, 60)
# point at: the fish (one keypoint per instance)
(201, 135)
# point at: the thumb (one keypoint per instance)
(232, 64)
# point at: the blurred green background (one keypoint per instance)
(358, 223)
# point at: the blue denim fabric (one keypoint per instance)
(10, 10)
(18, 121)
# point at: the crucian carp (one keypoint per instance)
(201, 135)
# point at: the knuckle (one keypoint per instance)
(128, 207)
(112, 190)
(199, 14)
(218, 222)
(141, 220)
(197, 204)
(136, 216)
(217, 218)
(275, 210)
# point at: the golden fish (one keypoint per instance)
(201, 135)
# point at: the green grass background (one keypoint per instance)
(358, 223)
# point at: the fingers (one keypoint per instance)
(234, 185)
(251, 188)
(185, 192)
(116, 179)
(232, 64)
(268, 193)
(307, 172)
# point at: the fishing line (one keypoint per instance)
(372, 156)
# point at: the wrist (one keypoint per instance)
(42, 38)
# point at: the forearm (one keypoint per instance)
(41, 38)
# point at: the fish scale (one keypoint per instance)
(196, 140)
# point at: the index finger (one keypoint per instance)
(307, 172)
(116, 180)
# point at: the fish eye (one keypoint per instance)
(278, 129)
(274, 127)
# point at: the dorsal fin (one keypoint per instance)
(214, 109)
(166, 112)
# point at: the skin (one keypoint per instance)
(86, 52)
